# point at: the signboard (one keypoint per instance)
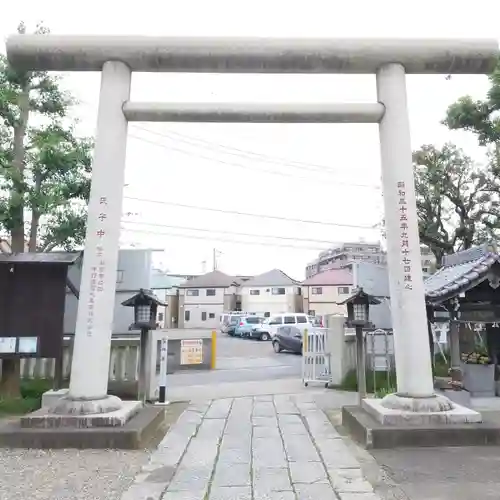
(22, 346)
(192, 352)
(28, 345)
(8, 345)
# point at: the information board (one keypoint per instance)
(192, 352)
(8, 345)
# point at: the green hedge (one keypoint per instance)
(380, 381)
(30, 400)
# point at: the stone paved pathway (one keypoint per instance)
(261, 448)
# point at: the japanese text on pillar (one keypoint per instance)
(98, 268)
(404, 237)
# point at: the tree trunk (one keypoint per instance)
(10, 382)
(35, 216)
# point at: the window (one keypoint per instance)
(289, 320)
(424, 270)
(253, 320)
(203, 316)
(299, 291)
(210, 292)
(311, 312)
(317, 290)
(267, 314)
(192, 293)
(254, 292)
(342, 290)
(187, 315)
(211, 315)
(301, 319)
(277, 320)
(160, 316)
(278, 291)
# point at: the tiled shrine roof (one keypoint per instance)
(460, 271)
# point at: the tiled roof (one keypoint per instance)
(214, 279)
(330, 277)
(459, 272)
(275, 277)
(41, 258)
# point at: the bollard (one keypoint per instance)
(213, 361)
(162, 393)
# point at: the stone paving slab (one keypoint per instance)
(259, 448)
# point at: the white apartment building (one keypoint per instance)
(370, 253)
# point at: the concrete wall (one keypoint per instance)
(374, 280)
(134, 273)
(266, 301)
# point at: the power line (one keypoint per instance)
(231, 150)
(247, 167)
(239, 165)
(228, 240)
(248, 214)
(226, 149)
(204, 230)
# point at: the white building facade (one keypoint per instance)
(203, 299)
(271, 293)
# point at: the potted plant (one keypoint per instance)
(478, 373)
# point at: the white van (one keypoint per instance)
(301, 321)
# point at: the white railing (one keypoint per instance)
(123, 363)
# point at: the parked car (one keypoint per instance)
(231, 323)
(298, 320)
(288, 338)
(246, 325)
(259, 332)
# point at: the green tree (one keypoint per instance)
(480, 117)
(457, 201)
(44, 171)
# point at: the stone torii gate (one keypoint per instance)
(118, 56)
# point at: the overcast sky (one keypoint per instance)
(328, 173)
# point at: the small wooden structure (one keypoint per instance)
(32, 304)
(466, 292)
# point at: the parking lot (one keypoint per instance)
(242, 360)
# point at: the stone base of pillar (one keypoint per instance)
(72, 414)
(67, 405)
(430, 404)
(395, 410)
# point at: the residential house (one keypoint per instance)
(165, 285)
(271, 293)
(203, 299)
(322, 293)
(134, 273)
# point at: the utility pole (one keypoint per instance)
(216, 253)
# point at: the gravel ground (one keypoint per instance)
(67, 474)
